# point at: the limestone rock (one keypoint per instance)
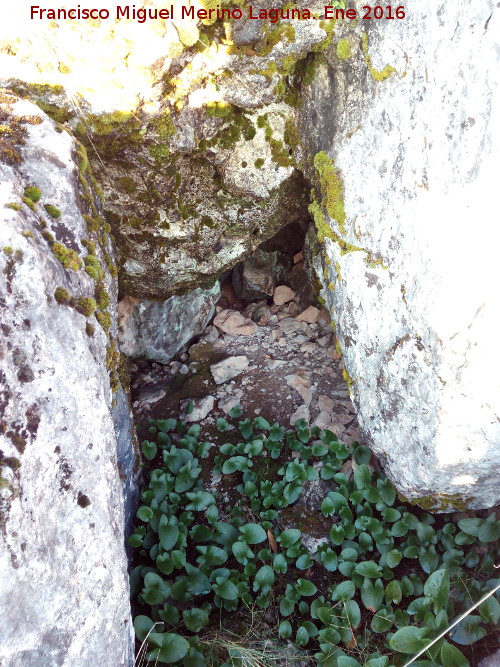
(201, 408)
(67, 435)
(309, 315)
(193, 181)
(258, 275)
(282, 295)
(228, 368)
(157, 330)
(233, 323)
(415, 300)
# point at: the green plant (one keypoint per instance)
(85, 305)
(62, 295)
(385, 583)
(33, 193)
(52, 211)
(67, 256)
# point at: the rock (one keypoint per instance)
(325, 403)
(289, 325)
(228, 368)
(297, 258)
(228, 297)
(323, 420)
(308, 348)
(418, 333)
(302, 412)
(228, 403)
(491, 661)
(333, 353)
(301, 382)
(159, 329)
(151, 395)
(283, 294)
(258, 275)
(201, 408)
(234, 323)
(309, 315)
(67, 436)
(324, 341)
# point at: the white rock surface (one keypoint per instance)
(201, 408)
(228, 368)
(157, 330)
(64, 591)
(417, 308)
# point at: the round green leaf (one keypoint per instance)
(452, 657)
(143, 625)
(285, 630)
(409, 639)
(253, 533)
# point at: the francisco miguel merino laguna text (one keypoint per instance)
(143, 14)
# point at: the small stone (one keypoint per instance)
(324, 318)
(275, 335)
(228, 368)
(228, 403)
(293, 309)
(234, 323)
(174, 367)
(201, 408)
(289, 325)
(307, 329)
(302, 412)
(324, 341)
(323, 419)
(297, 258)
(325, 403)
(301, 383)
(332, 353)
(283, 294)
(309, 315)
(308, 348)
(183, 370)
(211, 334)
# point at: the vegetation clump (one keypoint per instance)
(331, 187)
(383, 585)
(85, 305)
(62, 295)
(67, 256)
(33, 193)
(53, 211)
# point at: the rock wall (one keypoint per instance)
(66, 458)
(403, 124)
(191, 138)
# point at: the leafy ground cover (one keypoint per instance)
(386, 581)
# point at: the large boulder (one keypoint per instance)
(66, 443)
(157, 330)
(403, 126)
(191, 140)
(258, 275)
